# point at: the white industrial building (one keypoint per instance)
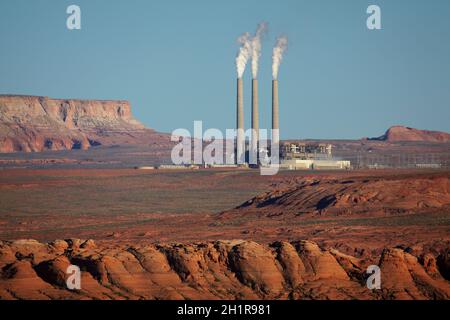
(311, 164)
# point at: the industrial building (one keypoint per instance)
(304, 151)
(314, 164)
(303, 156)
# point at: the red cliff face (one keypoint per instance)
(33, 124)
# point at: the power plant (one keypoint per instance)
(293, 156)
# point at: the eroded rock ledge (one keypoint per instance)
(216, 270)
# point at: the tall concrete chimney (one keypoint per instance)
(255, 122)
(275, 113)
(240, 142)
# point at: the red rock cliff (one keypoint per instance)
(32, 124)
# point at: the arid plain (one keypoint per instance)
(189, 205)
(230, 234)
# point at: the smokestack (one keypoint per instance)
(275, 112)
(255, 120)
(240, 146)
(277, 56)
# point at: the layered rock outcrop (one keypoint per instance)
(33, 124)
(212, 270)
(351, 196)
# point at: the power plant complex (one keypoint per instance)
(293, 156)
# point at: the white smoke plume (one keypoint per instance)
(256, 47)
(278, 50)
(244, 53)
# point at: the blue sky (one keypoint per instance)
(174, 61)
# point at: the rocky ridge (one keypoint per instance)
(351, 196)
(234, 269)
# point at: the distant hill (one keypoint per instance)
(400, 133)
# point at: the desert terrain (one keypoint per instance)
(69, 195)
(225, 234)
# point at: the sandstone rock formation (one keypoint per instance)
(30, 124)
(400, 133)
(351, 196)
(212, 270)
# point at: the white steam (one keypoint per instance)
(277, 56)
(244, 53)
(256, 47)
